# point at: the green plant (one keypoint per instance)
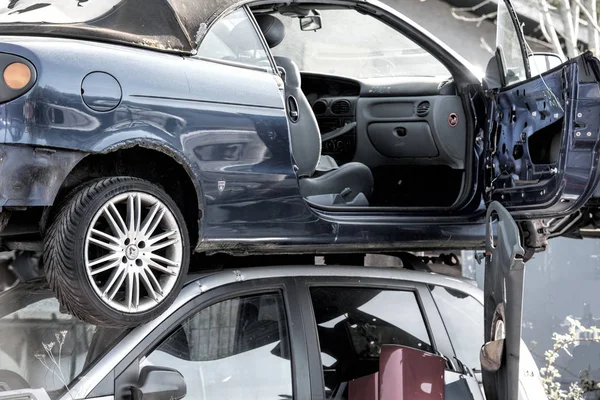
(550, 375)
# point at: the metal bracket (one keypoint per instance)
(535, 237)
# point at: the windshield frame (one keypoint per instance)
(518, 31)
(373, 18)
(463, 71)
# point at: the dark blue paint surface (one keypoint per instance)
(101, 91)
(226, 125)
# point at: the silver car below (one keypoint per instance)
(293, 332)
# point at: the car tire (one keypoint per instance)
(117, 252)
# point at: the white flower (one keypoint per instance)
(48, 347)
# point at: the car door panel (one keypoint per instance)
(216, 348)
(127, 370)
(543, 136)
(544, 139)
(411, 130)
(504, 277)
(540, 161)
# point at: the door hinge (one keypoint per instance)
(534, 236)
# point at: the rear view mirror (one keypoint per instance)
(542, 62)
(404, 374)
(310, 22)
(158, 383)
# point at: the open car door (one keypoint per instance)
(541, 145)
(504, 277)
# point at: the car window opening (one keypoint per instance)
(376, 117)
(230, 349)
(354, 323)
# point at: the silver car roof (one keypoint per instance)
(225, 277)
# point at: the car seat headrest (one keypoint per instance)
(272, 29)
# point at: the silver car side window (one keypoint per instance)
(218, 349)
(234, 39)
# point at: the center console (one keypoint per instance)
(333, 113)
(333, 102)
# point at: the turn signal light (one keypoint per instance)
(17, 75)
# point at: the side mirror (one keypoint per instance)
(542, 62)
(311, 22)
(158, 383)
(404, 374)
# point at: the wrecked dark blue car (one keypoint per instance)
(134, 131)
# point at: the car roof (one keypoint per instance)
(209, 280)
(165, 25)
(212, 280)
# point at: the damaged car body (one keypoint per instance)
(265, 127)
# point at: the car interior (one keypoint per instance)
(351, 338)
(373, 127)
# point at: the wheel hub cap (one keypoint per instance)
(133, 252)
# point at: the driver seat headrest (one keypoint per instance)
(272, 29)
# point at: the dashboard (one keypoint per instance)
(333, 102)
(416, 121)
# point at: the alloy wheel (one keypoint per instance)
(133, 252)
